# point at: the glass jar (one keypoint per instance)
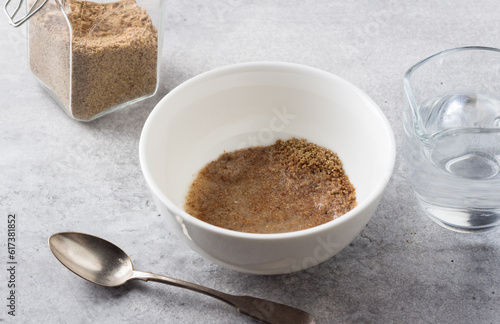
(95, 57)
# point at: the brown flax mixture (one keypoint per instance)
(109, 58)
(289, 186)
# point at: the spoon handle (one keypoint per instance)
(263, 310)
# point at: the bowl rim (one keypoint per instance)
(266, 66)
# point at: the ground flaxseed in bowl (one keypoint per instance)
(288, 186)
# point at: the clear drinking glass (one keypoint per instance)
(452, 136)
(96, 56)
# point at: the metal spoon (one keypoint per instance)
(105, 264)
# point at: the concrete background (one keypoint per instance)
(57, 174)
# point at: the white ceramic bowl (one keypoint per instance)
(255, 104)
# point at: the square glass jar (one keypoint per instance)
(95, 57)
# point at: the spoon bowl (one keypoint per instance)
(103, 263)
(92, 258)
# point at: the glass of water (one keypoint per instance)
(452, 137)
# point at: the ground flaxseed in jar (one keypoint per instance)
(108, 58)
(288, 186)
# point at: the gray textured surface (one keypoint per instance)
(57, 174)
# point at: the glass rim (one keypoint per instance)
(448, 51)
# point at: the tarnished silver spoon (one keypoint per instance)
(105, 264)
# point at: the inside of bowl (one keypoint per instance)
(220, 112)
